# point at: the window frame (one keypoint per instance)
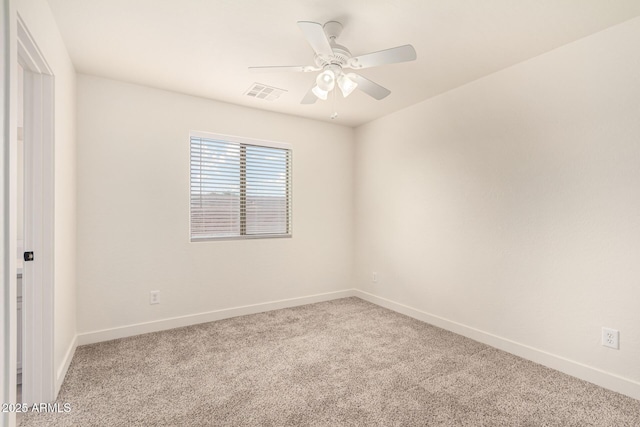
(243, 142)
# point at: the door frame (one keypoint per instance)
(38, 374)
(7, 232)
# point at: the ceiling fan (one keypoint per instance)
(333, 59)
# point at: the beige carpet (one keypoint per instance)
(344, 362)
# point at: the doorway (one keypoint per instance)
(37, 305)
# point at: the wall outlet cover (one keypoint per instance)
(611, 338)
(154, 297)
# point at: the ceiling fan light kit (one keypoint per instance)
(331, 59)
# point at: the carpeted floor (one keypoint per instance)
(343, 362)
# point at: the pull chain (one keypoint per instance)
(335, 113)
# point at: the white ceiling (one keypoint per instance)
(203, 47)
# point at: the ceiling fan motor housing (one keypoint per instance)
(341, 56)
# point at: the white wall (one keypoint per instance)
(41, 24)
(509, 208)
(133, 209)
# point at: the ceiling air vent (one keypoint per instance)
(258, 90)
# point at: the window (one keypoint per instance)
(240, 188)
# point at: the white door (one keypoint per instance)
(38, 380)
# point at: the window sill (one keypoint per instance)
(251, 237)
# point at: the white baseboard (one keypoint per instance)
(193, 319)
(584, 372)
(64, 367)
(596, 376)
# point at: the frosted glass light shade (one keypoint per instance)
(321, 94)
(326, 80)
(346, 85)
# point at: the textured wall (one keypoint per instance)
(511, 204)
(133, 209)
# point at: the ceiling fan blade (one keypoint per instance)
(370, 88)
(315, 35)
(282, 68)
(389, 56)
(310, 97)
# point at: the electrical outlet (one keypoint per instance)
(154, 297)
(374, 277)
(611, 338)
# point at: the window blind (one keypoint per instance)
(239, 189)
